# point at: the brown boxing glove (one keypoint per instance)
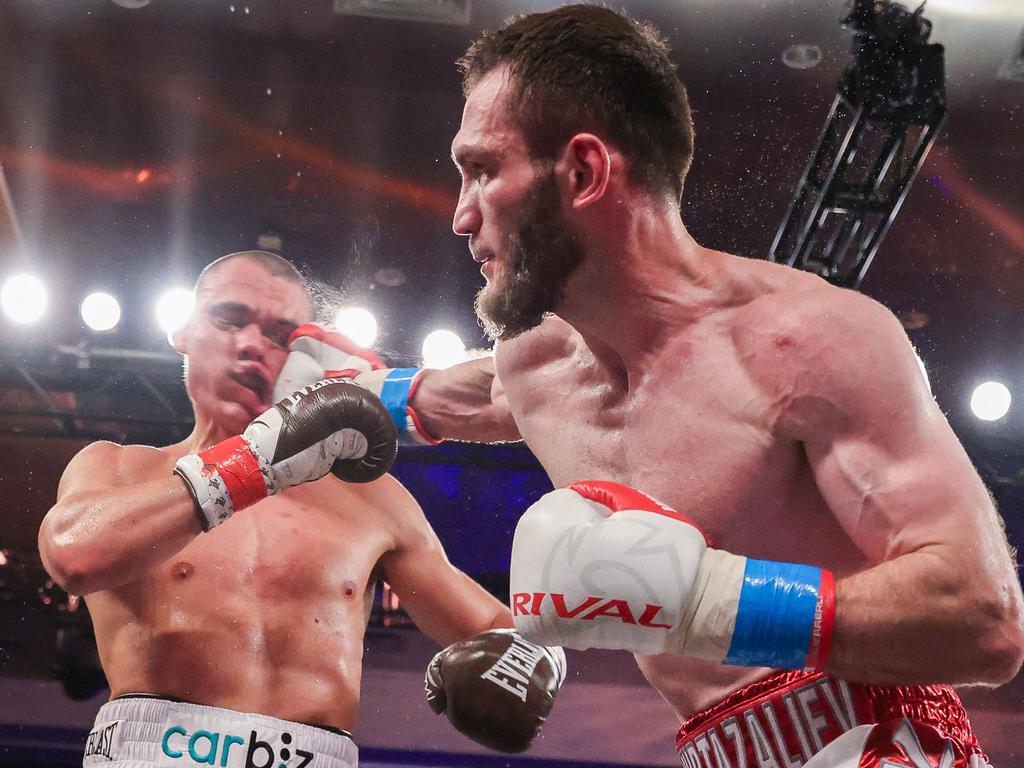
(496, 687)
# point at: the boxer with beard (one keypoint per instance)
(543, 252)
(829, 563)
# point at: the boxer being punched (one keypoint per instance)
(809, 491)
(229, 576)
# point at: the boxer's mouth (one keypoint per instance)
(481, 255)
(253, 381)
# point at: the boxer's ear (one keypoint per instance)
(179, 339)
(590, 166)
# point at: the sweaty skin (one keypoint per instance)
(720, 427)
(787, 417)
(265, 613)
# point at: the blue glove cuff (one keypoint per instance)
(775, 620)
(395, 395)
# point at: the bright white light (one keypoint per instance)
(174, 308)
(443, 349)
(100, 311)
(358, 324)
(990, 401)
(976, 9)
(23, 298)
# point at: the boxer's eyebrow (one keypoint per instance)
(470, 153)
(231, 308)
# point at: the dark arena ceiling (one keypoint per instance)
(141, 143)
(140, 140)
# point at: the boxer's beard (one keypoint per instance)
(543, 253)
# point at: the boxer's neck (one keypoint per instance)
(645, 280)
(208, 431)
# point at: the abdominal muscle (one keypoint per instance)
(250, 617)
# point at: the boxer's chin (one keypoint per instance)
(235, 416)
(506, 311)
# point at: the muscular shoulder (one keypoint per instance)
(805, 316)
(104, 463)
(394, 508)
(820, 352)
(553, 339)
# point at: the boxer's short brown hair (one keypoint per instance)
(278, 266)
(587, 68)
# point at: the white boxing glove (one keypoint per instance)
(602, 565)
(316, 353)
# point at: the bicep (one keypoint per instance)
(444, 602)
(884, 457)
(902, 486)
(465, 402)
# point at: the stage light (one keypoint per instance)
(358, 324)
(443, 349)
(23, 298)
(990, 401)
(802, 56)
(174, 309)
(1007, 10)
(100, 311)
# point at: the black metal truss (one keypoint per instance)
(93, 393)
(886, 115)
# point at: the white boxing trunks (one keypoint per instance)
(140, 731)
(792, 719)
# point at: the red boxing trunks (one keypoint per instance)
(790, 717)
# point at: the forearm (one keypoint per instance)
(101, 539)
(925, 618)
(460, 403)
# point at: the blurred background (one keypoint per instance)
(140, 140)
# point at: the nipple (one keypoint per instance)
(181, 570)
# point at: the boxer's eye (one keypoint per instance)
(230, 316)
(278, 335)
(228, 323)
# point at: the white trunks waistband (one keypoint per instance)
(145, 732)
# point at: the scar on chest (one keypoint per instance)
(181, 570)
(348, 588)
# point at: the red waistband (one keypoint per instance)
(798, 712)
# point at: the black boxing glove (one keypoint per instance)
(334, 426)
(496, 687)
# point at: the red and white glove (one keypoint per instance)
(316, 353)
(602, 565)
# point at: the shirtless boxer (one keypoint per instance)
(237, 640)
(784, 418)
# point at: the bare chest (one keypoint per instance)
(692, 433)
(307, 542)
